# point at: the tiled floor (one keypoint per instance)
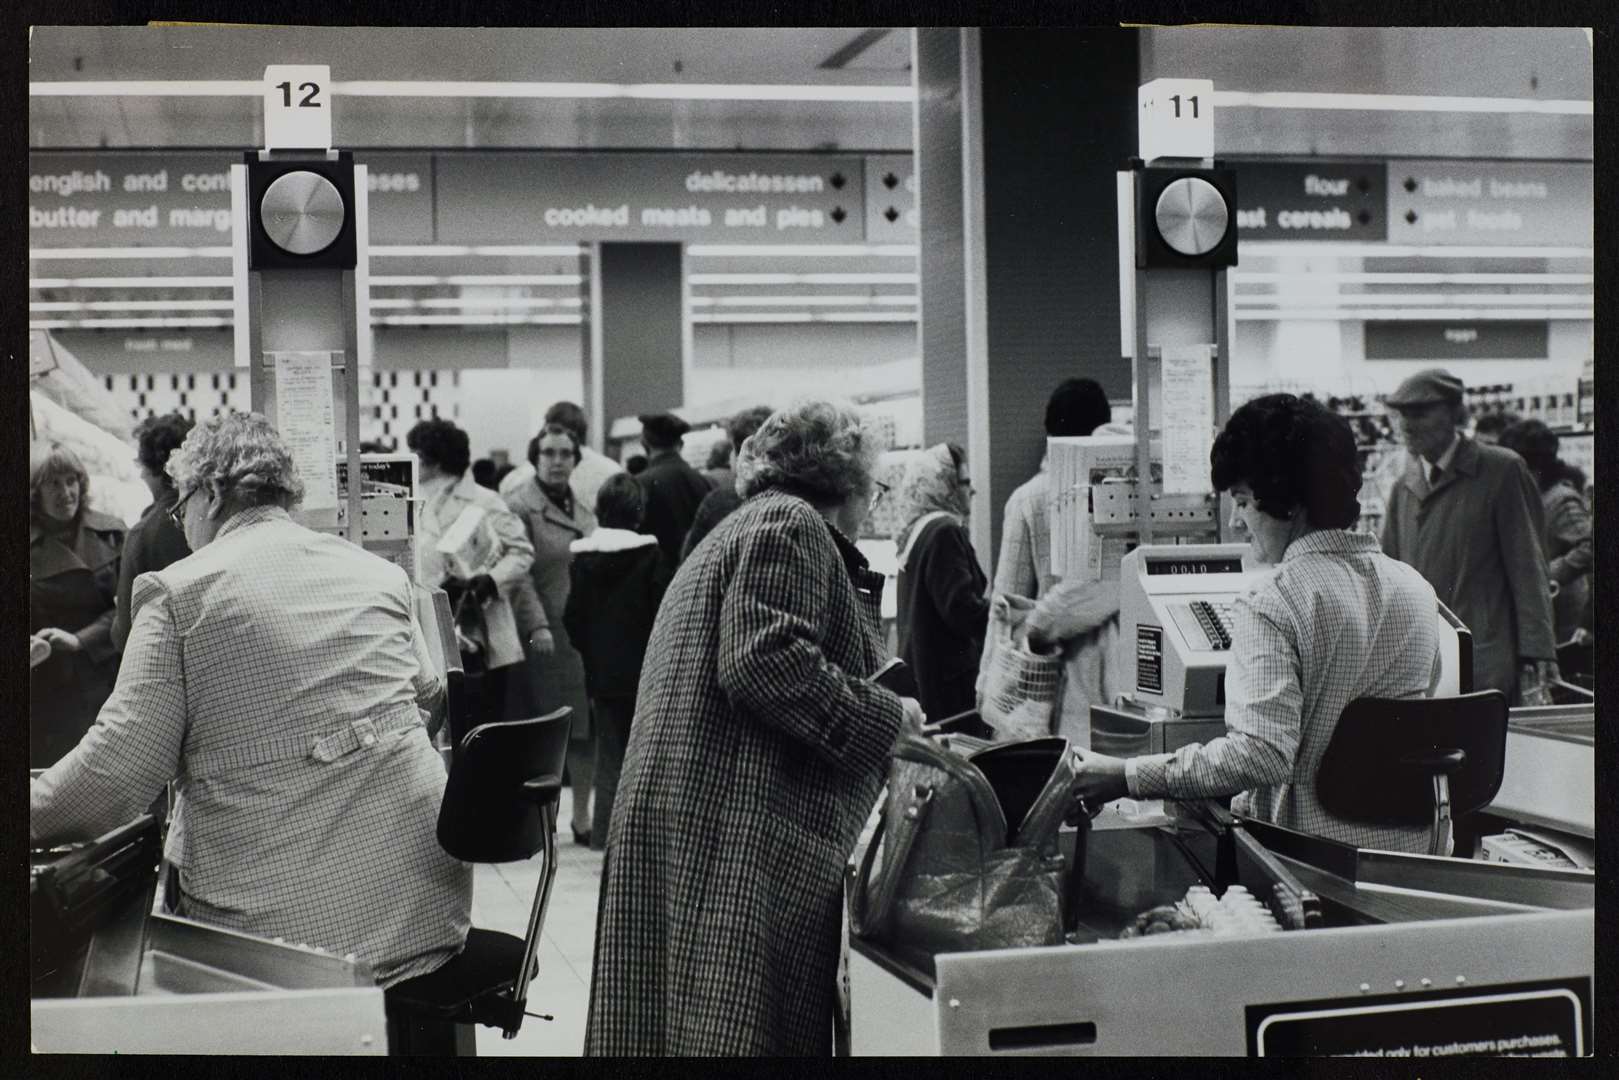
(501, 897)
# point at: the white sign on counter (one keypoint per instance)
(305, 418)
(1188, 417)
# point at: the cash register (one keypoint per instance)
(1175, 640)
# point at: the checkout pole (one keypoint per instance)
(1177, 210)
(299, 259)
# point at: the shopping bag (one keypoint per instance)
(964, 853)
(1017, 686)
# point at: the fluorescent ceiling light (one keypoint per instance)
(1281, 248)
(452, 89)
(512, 250)
(1414, 278)
(643, 91)
(477, 279)
(1396, 103)
(795, 301)
(131, 253)
(178, 321)
(804, 279)
(702, 251)
(1458, 299)
(222, 282)
(149, 88)
(1451, 315)
(478, 320)
(803, 316)
(467, 302)
(131, 305)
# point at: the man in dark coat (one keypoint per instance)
(757, 751)
(673, 488)
(723, 499)
(1469, 518)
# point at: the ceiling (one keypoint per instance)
(812, 57)
(1489, 62)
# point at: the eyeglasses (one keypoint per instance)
(178, 513)
(882, 491)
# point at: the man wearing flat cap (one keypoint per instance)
(1469, 518)
(673, 488)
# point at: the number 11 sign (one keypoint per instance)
(297, 107)
(1177, 118)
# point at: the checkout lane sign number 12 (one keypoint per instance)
(297, 107)
(1177, 118)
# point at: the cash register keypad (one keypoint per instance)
(1215, 621)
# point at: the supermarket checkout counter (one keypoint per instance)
(1353, 952)
(1303, 946)
(111, 975)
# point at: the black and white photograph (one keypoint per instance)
(997, 540)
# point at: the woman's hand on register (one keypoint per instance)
(1098, 779)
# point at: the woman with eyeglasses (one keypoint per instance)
(278, 674)
(73, 559)
(943, 606)
(554, 519)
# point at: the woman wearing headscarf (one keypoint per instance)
(943, 609)
(73, 557)
(757, 749)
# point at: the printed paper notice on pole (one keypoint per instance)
(1188, 417)
(304, 417)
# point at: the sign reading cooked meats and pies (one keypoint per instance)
(752, 198)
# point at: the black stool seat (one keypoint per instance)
(500, 805)
(486, 966)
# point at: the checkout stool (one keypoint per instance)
(500, 805)
(1415, 761)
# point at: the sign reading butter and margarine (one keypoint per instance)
(757, 198)
(153, 199)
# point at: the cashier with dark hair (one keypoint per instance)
(1334, 621)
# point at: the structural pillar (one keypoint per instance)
(640, 338)
(1019, 135)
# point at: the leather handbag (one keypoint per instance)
(968, 850)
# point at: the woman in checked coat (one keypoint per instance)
(755, 755)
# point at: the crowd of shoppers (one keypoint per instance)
(713, 633)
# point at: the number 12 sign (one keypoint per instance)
(297, 107)
(1177, 118)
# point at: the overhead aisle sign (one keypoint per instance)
(1505, 203)
(1283, 200)
(709, 198)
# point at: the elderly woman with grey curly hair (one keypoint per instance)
(277, 673)
(756, 751)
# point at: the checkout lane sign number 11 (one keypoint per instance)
(1177, 118)
(297, 107)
